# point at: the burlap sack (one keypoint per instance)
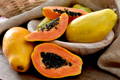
(110, 60)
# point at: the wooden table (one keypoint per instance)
(90, 71)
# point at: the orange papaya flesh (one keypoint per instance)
(51, 31)
(53, 12)
(53, 61)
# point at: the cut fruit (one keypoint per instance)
(50, 31)
(43, 22)
(53, 12)
(53, 61)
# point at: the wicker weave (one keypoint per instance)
(9, 8)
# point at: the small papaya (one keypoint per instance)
(17, 49)
(53, 61)
(78, 6)
(50, 31)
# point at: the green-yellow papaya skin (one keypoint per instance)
(16, 49)
(78, 6)
(92, 27)
(43, 22)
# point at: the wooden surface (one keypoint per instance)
(90, 72)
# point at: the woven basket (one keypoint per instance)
(9, 8)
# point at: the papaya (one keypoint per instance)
(17, 49)
(51, 31)
(53, 12)
(53, 61)
(92, 27)
(78, 6)
(34, 25)
(43, 22)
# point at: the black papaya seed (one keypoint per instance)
(52, 60)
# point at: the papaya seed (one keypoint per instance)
(50, 25)
(70, 13)
(52, 60)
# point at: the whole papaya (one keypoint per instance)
(78, 6)
(92, 27)
(16, 49)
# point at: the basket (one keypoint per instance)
(10, 8)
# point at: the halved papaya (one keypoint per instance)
(53, 12)
(53, 61)
(51, 31)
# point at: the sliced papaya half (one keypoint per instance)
(53, 61)
(51, 31)
(53, 12)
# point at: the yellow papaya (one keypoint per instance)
(92, 27)
(78, 6)
(16, 49)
